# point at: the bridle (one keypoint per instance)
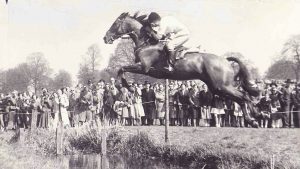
(120, 26)
(122, 29)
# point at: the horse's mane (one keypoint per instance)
(140, 18)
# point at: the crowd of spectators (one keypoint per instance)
(190, 104)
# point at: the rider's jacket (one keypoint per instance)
(171, 26)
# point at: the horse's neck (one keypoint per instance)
(136, 37)
(138, 41)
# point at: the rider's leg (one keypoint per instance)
(171, 55)
(172, 45)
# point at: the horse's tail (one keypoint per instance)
(244, 77)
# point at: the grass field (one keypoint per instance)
(280, 142)
(253, 144)
(189, 147)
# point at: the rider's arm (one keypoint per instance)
(152, 33)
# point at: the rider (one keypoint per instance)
(168, 28)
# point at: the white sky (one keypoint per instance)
(63, 30)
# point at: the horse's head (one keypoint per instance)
(123, 25)
(117, 29)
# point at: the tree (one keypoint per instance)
(84, 73)
(291, 52)
(37, 70)
(124, 55)
(94, 56)
(62, 79)
(281, 69)
(15, 79)
(253, 70)
(88, 69)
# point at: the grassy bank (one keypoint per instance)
(189, 147)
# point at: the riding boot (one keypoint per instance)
(171, 60)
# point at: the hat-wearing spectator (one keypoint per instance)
(285, 102)
(148, 98)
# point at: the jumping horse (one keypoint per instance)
(213, 70)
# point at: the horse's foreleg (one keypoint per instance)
(135, 68)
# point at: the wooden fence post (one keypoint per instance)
(20, 132)
(33, 120)
(103, 141)
(167, 111)
(59, 138)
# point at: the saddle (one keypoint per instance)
(181, 51)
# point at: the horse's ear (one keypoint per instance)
(123, 15)
(136, 14)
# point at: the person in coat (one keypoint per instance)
(194, 110)
(296, 101)
(160, 103)
(285, 103)
(183, 102)
(205, 97)
(148, 99)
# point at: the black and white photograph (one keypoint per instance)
(150, 84)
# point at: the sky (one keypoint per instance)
(63, 30)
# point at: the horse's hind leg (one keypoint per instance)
(239, 97)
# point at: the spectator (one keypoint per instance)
(205, 103)
(238, 115)
(137, 105)
(148, 98)
(2, 110)
(160, 103)
(275, 106)
(296, 101)
(45, 110)
(285, 103)
(125, 102)
(172, 104)
(218, 110)
(183, 102)
(194, 100)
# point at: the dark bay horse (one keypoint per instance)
(213, 70)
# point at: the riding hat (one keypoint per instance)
(288, 81)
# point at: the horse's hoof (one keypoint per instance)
(255, 124)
